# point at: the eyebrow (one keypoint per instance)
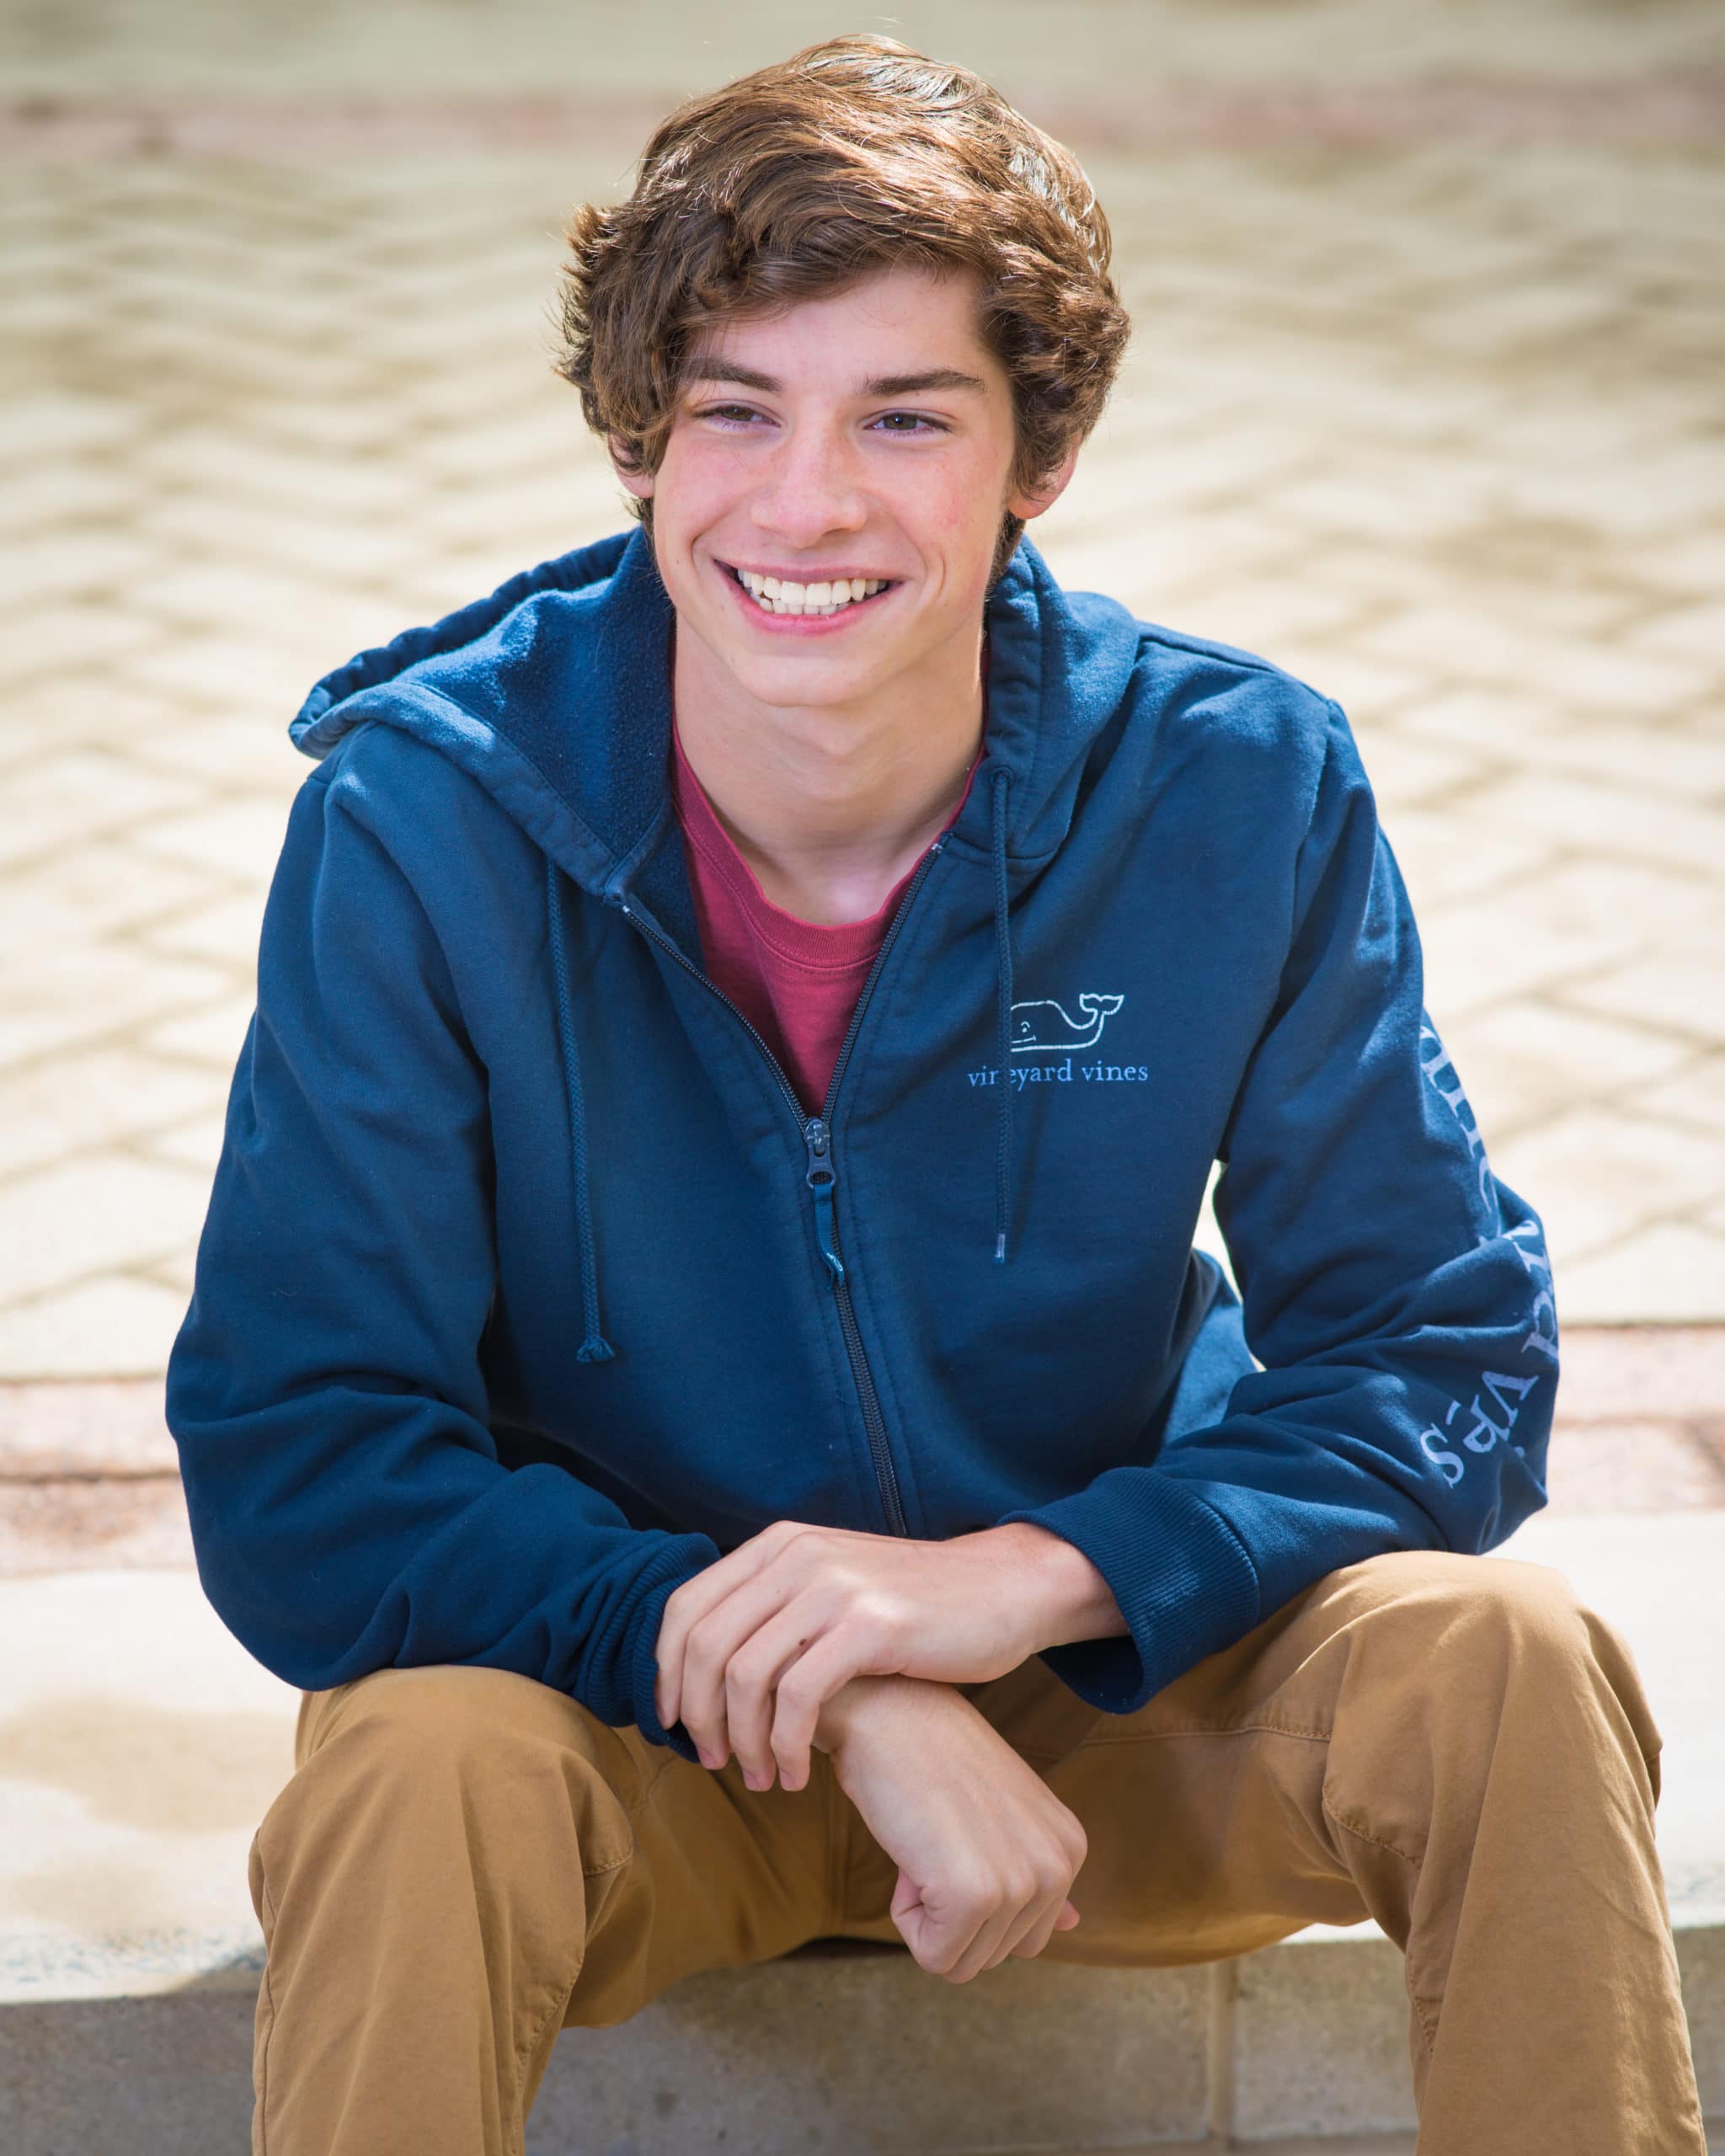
(880, 385)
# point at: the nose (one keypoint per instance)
(811, 488)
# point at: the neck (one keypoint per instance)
(831, 804)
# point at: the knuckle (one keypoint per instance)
(742, 1682)
(878, 1610)
(969, 1900)
(797, 1694)
(1063, 1860)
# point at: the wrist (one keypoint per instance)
(1067, 1597)
(863, 1698)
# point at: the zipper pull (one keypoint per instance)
(820, 1179)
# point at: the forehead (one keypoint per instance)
(911, 318)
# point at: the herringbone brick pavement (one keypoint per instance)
(1435, 424)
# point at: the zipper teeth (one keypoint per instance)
(874, 1421)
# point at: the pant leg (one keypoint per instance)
(1452, 1745)
(466, 1861)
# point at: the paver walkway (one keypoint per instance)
(1431, 417)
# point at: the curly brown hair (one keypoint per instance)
(854, 156)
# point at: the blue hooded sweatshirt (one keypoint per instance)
(528, 1287)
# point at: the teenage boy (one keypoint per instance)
(698, 1366)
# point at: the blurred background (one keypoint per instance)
(1424, 404)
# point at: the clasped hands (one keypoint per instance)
(751, 1649)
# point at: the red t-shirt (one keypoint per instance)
(796, 981)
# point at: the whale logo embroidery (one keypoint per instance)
(1044, 1028)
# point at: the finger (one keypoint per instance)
(980, 1954)
(823, 1667)
(708, 1653)
(697, 1597)
(752, 1679)
(1031, 1932)
(968, 1918)
(1025, 1921)
(929, 1934)
(1035, 1935)
(694, 1600)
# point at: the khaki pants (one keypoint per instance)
(465, 1862)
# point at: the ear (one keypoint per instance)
(1048, 491)
(639, 483)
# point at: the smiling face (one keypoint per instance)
(832, 489)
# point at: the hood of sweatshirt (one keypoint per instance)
(528, 1288)
(498, 684)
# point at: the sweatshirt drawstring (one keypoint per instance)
(595, 1347)
(1003, 964)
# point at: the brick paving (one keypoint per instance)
(1431, 417)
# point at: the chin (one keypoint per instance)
(802, 682)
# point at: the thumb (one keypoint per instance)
(907, 1899)
(911, 1914)
(1067, 1918)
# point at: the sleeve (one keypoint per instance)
(348, 1510)
(1396, 1294)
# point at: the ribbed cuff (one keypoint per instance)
(1181, 1577)
(643, 1660)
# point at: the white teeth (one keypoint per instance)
(777, 597)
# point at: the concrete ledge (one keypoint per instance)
(847, 2051)
(862, 2052)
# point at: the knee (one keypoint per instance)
(1494, 1610)
(1524, 1620)
(1514, 1615)
(1554, 1647)
(1500, 1628)
(452, 1742)
(437, 1720)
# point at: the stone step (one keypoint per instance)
(139, 1746)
